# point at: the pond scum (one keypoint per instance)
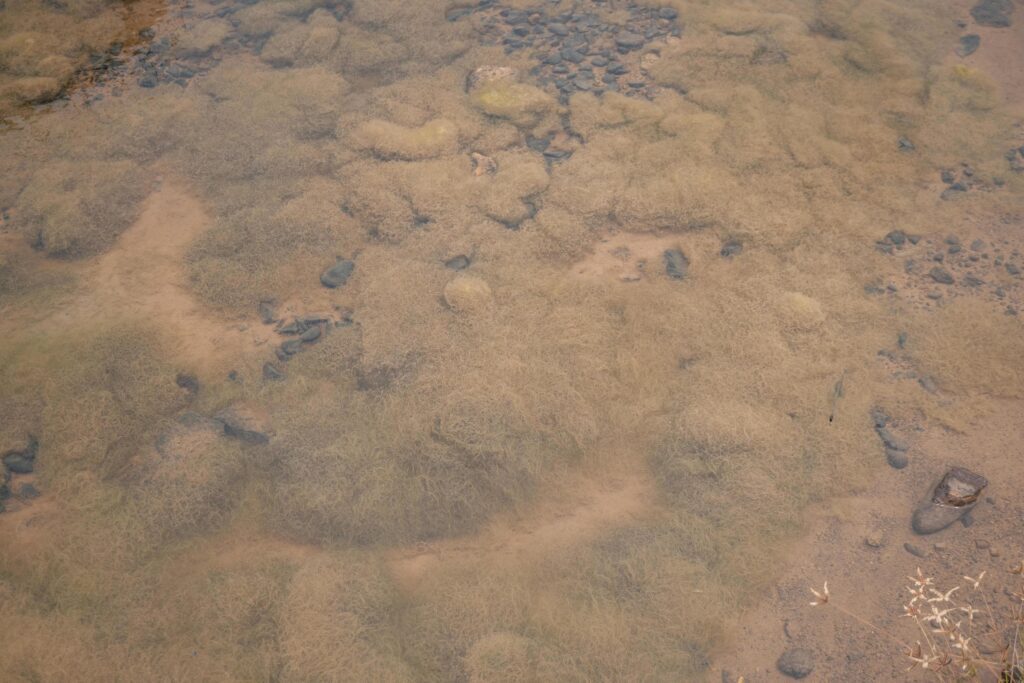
(437, 402)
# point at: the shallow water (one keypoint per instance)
(595, 393)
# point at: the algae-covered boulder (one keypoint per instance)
(468, 294)
(521, 104)
(76, 209)
(391, 141)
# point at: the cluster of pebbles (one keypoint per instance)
(959, 181)
(951, 268)
(578, 50)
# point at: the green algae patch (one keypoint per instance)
(522, 104)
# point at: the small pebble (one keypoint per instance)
(914, 550)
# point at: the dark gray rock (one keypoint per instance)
(896, 459)
(271, 372)
(905, 145)
(18, 463)
(796, 662)
(28, 492)
(668, 13)
(676, 263)
(291, 347)
(896, 237)
(310, 335)
(891, 440)
(969, 44)
(267, 312)
(245, 423)
(993, 13)
(188, 382)
(880, 417)
(338, 274)
(914, 550)
(941, 275)
(948, 177)
(627, 40)
(558, 29)
(731, 248)
(461, 262)
(1012, 269)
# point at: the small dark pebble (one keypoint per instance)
(310, 335)
(271, 372)
(897, 459)
(731, 248)
(1012, 269)
(901, 341)
(676, 263)
(291, 347)
(897, 237)
(627, 40)
(880, 417)
(968, 44)
(461, 262)
(28, 492)
(954, 249)
(668, 13)
(266, 311)
(941, 275)
(187, 382)
(948, 176)
(978, 245)
(338, 274)
(796, 663)
(905, 144)
(914, 550)
(18, 463)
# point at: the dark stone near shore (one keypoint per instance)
(994, 13)
(796, 662)
(676, 264)
(338, 274)
(968, 44)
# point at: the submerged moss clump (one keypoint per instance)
(76, 209)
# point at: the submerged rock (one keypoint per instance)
(460, 262)
(338, 274)
(21, 459)
(993, 13)
(952, 498)
(246, 423)
(796, 662)
(968, 45)
(676, 263)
